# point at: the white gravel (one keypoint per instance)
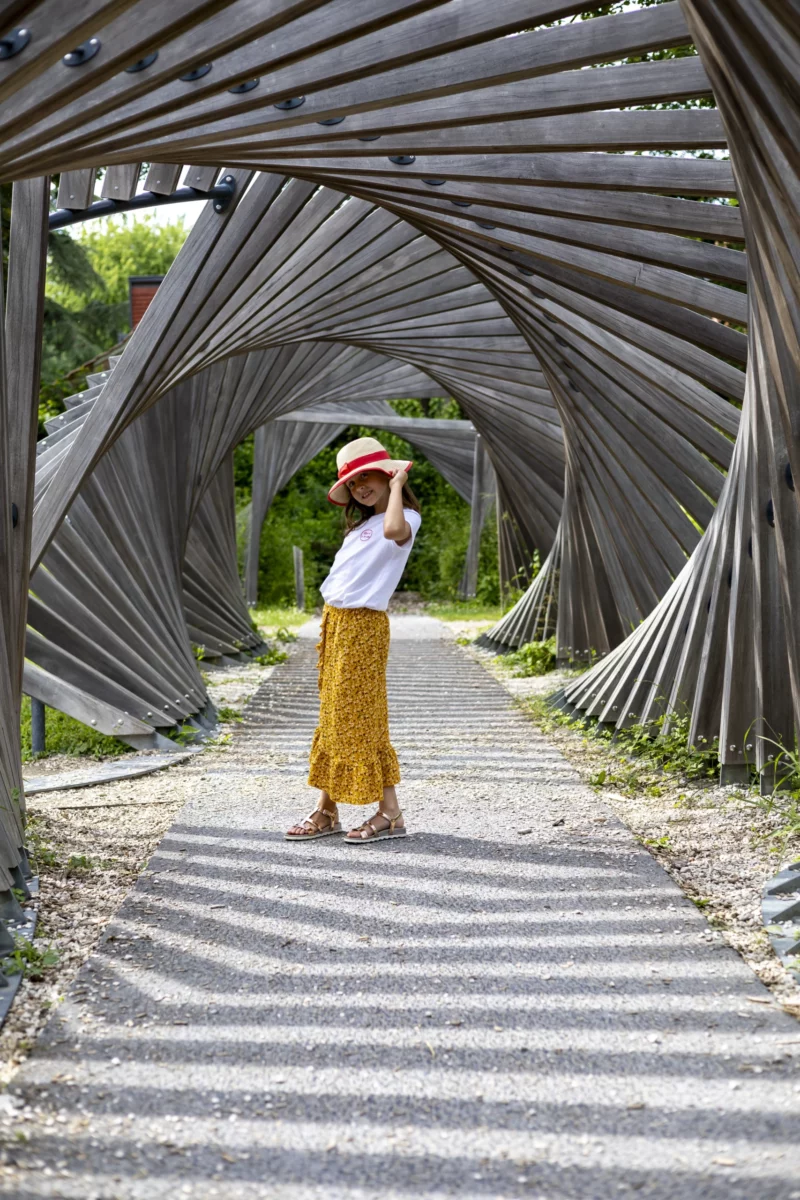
(719, 844)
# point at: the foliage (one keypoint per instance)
(784, 801)
(274, 621)
(80, 862)
(86, 293)
(65, 735)
(185, 735)
(117, 248)
(226, 713)
(534, 658)
(640, 758)
(40, 850)
(465, 610)
(29, 959)
(243, 470)
(669, 752)
(53, 392)
(271, 657)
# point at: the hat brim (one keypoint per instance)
(340, 493)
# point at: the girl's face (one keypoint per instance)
(368, 486)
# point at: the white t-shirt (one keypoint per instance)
(369, 566)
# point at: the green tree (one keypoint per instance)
(86, 293)
(116, 248)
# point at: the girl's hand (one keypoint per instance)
(398, 479)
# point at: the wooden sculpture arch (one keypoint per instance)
(545, 182)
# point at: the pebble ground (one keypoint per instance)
(515, 1001)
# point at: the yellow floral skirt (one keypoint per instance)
(352, 758)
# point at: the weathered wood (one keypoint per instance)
(162, 178)
(299, 579)
(76, 188)
(483, 494)
(120, 183)
(574, 301)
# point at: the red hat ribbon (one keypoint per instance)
(357, 463)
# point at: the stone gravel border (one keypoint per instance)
(780, 908)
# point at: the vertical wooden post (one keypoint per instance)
(258, 506)
(299, 579)
(482, 494)
(27, 259)
(19, 421)
(37, 726)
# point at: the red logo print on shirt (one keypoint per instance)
(366, 534)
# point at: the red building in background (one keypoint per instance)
(141, 290)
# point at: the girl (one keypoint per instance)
(352, 759)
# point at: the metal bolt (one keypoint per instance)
(149, 714)
(733, 747)
(94, 722)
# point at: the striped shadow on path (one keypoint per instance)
(499, 1006)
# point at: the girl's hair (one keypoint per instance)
(355, 513)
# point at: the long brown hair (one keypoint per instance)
(355, 512)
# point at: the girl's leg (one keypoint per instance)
(388, 811)
(390, 804)
(324, 816)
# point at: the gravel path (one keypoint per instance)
(515, 1001)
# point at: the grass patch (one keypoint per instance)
(29, 959)
(642, 759)
(271, 657)
(42, 853)
(534, 658)
(271, 620)
(465, 610)
(645, 761)
(65, 735)
(226, 713)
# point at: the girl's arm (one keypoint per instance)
(395, 526)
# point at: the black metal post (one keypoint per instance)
(37, 726)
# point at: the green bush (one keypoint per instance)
(534, 658)
(30, 959)
(271, 657)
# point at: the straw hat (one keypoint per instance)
(364, 454)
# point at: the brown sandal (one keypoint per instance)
(313, 831)
(377, 835)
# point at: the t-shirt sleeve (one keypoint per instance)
(414, 521)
